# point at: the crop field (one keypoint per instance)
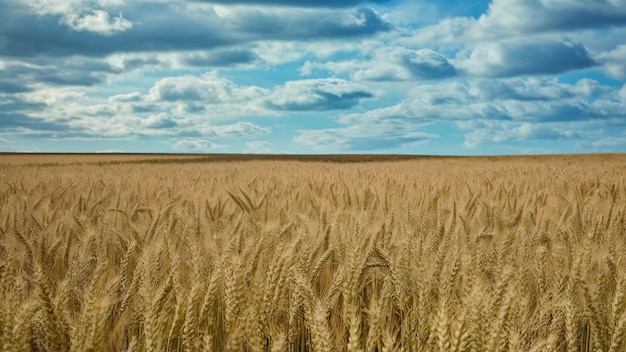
(201, 253)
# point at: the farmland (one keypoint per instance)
(312, 253)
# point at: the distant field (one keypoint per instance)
(70, 158)
(150, 252)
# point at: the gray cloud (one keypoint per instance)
(141, 108)
(391, 64)
(397, 64)
(309, 3)
(31, 35)
(19, 123)
(300, 24)
(428, 64)
(521, 100)
(531, 89)
(206, 89)
(514, 18)
(159, 121)
(317, 95)
(13, 104)
(132, 63)
(173, 27)
(518, 58)
(563, 15)
(71, 72)
(12, 87)
(220, 58)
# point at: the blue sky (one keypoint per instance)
(316, 76)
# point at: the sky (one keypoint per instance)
(317, 76)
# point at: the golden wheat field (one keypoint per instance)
(182, 253)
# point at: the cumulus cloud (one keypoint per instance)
(622, 94)
(496, 111)
(391, 64)
(614, 62)
(81, 16)
(30, 33)
(525, 57)
(512, 18)
(532, 89)
(100, 22)
(309, 3)
(67, 114)
(302, 24)
(522, 100)
(317, 95)
(208, 89)
(159, 121)
(434, 101)
(47, 35)
(510, 58)
(119, 68)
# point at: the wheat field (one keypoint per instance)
(137, 253)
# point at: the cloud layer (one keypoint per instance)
(315, 76)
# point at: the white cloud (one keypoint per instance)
(237, 130)
(195, 145)
(126, 63)
(614, 62)
(483, 132)
(622, 94)
(100, 22)
(158, 121)
(85, 15)
(449, 100)
(54, 97)
(317, 95)
(524, 57)
(277, 52)
(390, 64)
(365, 137)
(532, 89)
(129, 97)
(457, 71)
(513, 18)
(208, 88)
(522, 100)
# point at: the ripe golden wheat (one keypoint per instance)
(433, 254)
